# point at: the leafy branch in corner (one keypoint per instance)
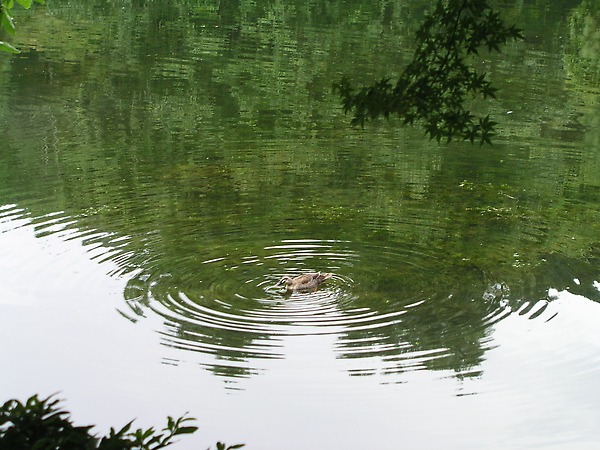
(437, 82)
(44, 425)
(7, 22)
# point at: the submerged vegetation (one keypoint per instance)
(44, 425)
(435, 86)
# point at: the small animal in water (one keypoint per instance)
(304, 282)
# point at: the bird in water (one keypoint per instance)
(304, 282)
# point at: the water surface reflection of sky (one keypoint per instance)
(62, 333)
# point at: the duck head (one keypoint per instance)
(286, 280)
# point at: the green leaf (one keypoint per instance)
(149, 432)
(25, 3)
(185, 430)
(6, 47)
(156, 439)
(7, 21)
(170, 423)
(125, 429)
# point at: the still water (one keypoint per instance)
(164, 165)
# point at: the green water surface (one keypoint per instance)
(196, 149)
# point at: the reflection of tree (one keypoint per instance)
(582, 59)
(443, 324)
(200, 330)
(169, 161)
(449, 328)
(584, 44)
(234, 348)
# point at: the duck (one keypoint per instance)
(304, 282)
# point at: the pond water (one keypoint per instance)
(163, 165)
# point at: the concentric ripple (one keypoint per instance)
(396, 304)
(389, 306)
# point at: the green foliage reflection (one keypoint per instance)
(166, 161)
(583, 51)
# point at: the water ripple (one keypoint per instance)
(390, 308)
(398, 305)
